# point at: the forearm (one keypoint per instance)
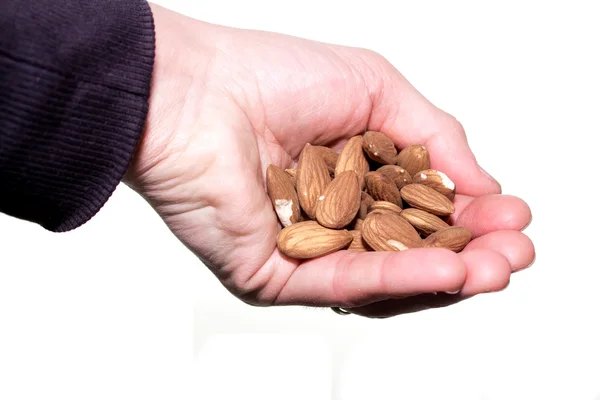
(75, 82)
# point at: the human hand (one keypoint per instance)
(226, 103)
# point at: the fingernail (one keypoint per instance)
(455, 292)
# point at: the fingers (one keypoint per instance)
(515, 246)
(347, 279)
(490, 213)
(487, 271)
(489, 260)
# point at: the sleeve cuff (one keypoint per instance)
(70, 120)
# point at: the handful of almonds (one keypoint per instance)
(369, 197)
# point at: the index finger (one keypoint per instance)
(350, 279)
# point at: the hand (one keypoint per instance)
(226, 103)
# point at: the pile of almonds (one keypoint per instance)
(369, 197)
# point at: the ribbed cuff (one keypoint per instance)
(73, 106)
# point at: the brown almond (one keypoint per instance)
(365, 202)
(340, 201)
(379, 147)
(454, 238)
(352, 158)
(424, 222)
(380, 187)
(414, 158)
(358, 224)
(399, 175)
(427, 199)
(389, 232)
(329, 156)
(384, 206)
(436, 180)
(312, 177)
(358, 244)
(309, 239)
(292, 173)
(282, 193)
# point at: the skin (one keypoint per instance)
(226, 103)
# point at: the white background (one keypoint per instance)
(118, 309)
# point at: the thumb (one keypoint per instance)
(405, 115)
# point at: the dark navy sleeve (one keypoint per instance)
(74, 87)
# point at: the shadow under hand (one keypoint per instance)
(392, 308)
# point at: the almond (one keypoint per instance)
(389, 232)
(358, 224)
(424, 222)
(352, 158)
(454, 238)
(399, 175)
(384, 206)
(283, 195)
(436, 180)
(329, 156)
(380, 187)
(308, 239)
(414, 158)
(358, 244)
(312, 177)
(365, 202)
(427, 199)
(292, 173)
(379, 147)
(341, 201)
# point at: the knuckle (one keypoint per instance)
(375, 62)
(345, 288)
(455, 126)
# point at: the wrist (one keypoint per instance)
(182, 57)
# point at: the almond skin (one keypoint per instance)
(292, 173)
(436, 180)
(414, 158)
(399, 175)
(282, 193)
(341, 201)
(365, 201)
(358, 244)
(352, 158)
(329, 156)
(427, 199)
(379, 147)
(424, 222)
(312, 177)
(358, 224)
(454, 238)
(389, 232)
(382, 188)
(384, 206)
(308, 239)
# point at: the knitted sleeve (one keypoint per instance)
(74, 87)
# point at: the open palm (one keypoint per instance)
(226, 103)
